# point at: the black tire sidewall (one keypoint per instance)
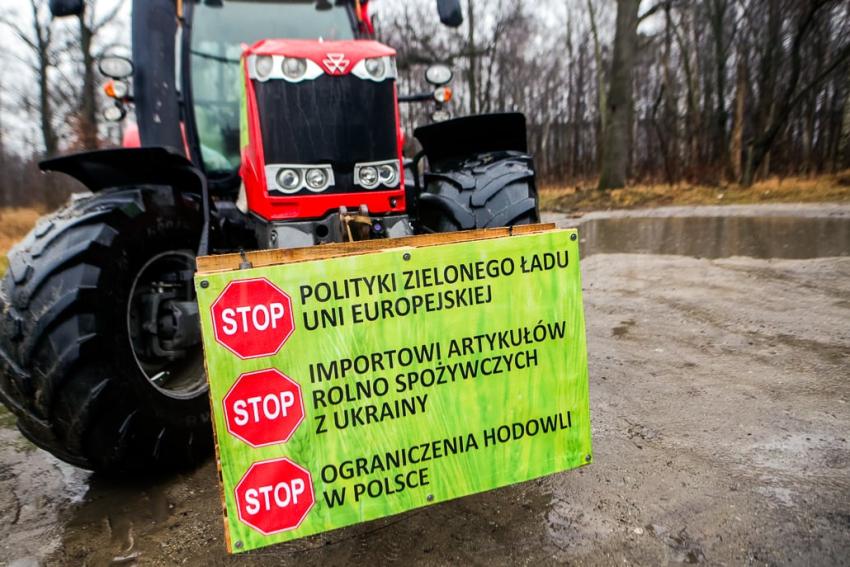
(455, 209)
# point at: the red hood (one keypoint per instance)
(326, 54)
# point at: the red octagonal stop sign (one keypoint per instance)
(263, 408)
(252, 318)
(274, 496)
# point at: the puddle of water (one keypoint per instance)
(36, 491)
(46, 504)
(718, 237)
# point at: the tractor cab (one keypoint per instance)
(289, 103)
(187, 78)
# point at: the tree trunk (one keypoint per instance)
(578, 112)
(600, 83)
(844, 141)
(671, 119)
(737, 143)
(718, 19)
(45, 108)
(88, 99)
(617, 136)
(472, 78)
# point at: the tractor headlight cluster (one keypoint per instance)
(379, 173)
(290, 179)
(376, 69)
(291, 69)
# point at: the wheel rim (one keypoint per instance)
(163, 328)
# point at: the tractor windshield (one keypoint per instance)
(220, 29)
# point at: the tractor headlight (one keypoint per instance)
(368, 177)
(317, 180)
(439, 75)
(289, 180)
(387, 174)
(378, 173)
(376, 68)
(263, 64)
(293, 68)
(115, 113)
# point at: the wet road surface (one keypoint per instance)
(720, 400)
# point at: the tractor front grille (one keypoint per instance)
(336, 120)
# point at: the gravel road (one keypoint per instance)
(720, 398)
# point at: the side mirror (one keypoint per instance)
(451, 14)
(115, 67)
(61, 8)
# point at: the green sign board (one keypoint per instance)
(359, 386)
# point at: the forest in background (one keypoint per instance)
(616, 92)
(704, 91)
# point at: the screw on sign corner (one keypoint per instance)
(263, 408)
(252, 318)
(274, 496)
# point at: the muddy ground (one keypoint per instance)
(720, 398)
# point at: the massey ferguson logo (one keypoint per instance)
(336, 63)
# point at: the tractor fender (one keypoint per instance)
(125, 167)
(460, 138)
(129, 167)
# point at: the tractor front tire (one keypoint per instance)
(490, 190)
(68, 368)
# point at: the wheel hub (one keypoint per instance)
(164, 325)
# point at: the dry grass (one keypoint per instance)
(822, 189)
(15, 223)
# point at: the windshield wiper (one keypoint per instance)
(219, 58)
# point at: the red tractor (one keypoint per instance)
(243, 143)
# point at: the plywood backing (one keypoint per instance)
(261, 258)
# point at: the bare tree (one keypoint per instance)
(89, 27)
(736, 146)
(844, 143)
(617, 136)
(780, 109)
(602, 97)
(38, 40)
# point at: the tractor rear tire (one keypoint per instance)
(68, 368)
(495, 189)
